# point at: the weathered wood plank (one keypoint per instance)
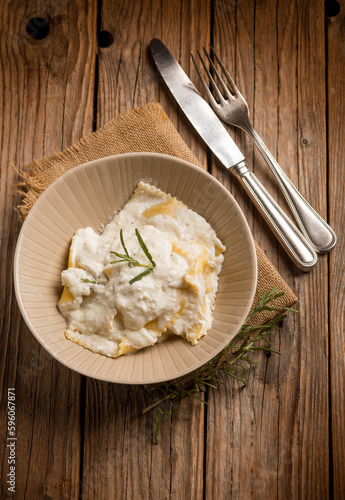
(120, 459)
(288, 372)
(225, 473)
(336, 210)
(313, 407)
(182, 25)
(278, 47)
(272, 438)
(46, 104)
(232, 37)
(243, 459)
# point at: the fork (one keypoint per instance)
(233, 109)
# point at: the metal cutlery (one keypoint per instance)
(231, 107)
(206, 123)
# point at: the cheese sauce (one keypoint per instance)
(106, 313)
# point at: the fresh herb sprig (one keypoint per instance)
(88, 281)
(132, 262)
(235, 360)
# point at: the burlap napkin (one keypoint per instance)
(141, 129)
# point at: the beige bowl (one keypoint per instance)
(88, 195)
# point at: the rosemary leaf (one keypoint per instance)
(232, 361)
(144, 248)
(141, 275)
(123, 243)
(131, 261)
(236, 377)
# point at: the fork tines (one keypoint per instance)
(226, 92)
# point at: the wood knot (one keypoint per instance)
(332, 8)
(38, 28)
(105, 39)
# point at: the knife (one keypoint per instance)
(206, 123)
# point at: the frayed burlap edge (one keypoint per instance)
(146, 129)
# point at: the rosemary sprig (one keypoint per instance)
(132, 262)
(235, 360)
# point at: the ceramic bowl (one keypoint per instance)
(89, 195)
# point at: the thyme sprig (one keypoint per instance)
(132, 262)
(234, 360)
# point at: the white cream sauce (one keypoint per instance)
(112, 316)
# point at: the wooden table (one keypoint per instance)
(67, 67)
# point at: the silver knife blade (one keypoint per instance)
(206, 123)
(196, 109)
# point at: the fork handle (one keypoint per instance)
(298, 248)
(320, 235)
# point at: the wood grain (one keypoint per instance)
(46, 104)
(288, 371)
(250, 415)
(281, 437)
(313, 411)
(278, 47)
(336, 210)
(127, 63)
(127, 78)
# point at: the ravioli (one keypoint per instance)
(110, 309)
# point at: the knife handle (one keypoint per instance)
(294, 243)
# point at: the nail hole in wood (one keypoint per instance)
(332, 8)
(105, 39)
(38, 28)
